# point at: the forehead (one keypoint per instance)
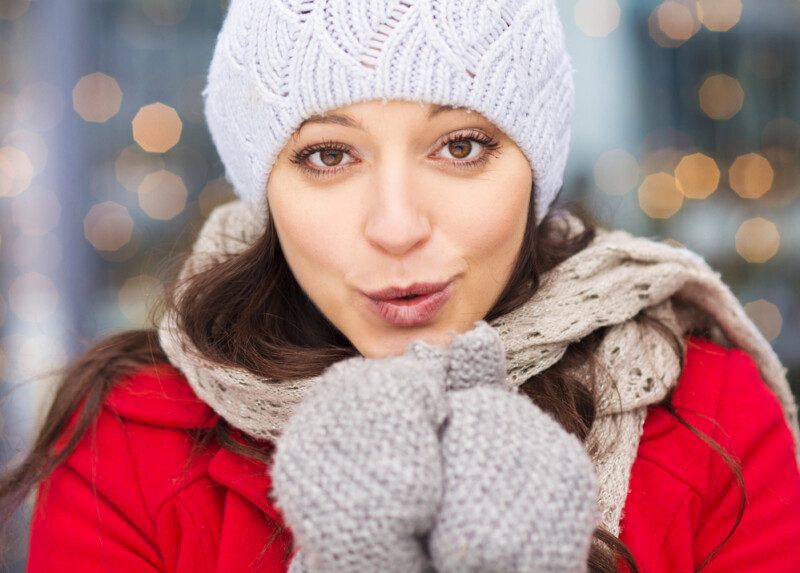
(340, 118)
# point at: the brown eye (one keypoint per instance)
(460, 148)
(331, 157)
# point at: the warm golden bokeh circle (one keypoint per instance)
(136, 297)
(133, 164)
(32, 144)
(719, 15)
(757, 240)
(157, 128)
(673, 22)
(677, 20)
(766, 316)
(751, 176)
(108, 226)
(659, 196)
(16, 171)
(215, 193)
(697, 176)
(162, 195)
(97, 97)
(721, 96)
(664, 159)
(616, 172)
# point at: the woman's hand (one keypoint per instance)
(519, 490)
(405, 463)
(358, 469)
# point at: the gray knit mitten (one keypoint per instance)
(357, 471)
(519, 490)
(406, 463)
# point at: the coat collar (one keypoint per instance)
(160, 395)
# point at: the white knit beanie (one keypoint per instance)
(277, 62)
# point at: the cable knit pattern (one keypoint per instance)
(360, 477)
(607, 284)
(278, 62)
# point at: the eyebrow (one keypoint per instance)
(347, 121)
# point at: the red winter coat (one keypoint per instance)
(125, 502)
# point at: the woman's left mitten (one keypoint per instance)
(358, 471)
(519, 490)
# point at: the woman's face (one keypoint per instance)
(382, 194)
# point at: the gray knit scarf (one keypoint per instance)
(607, 284)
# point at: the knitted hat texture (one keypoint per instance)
(277, 62)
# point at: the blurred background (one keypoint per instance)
(686, 130)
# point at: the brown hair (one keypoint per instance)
(223, 314)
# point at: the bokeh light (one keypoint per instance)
(751, 176)
(673, 22)
(676, 20)
(597, 18)
(39, 355)
(133, 164)
(33, 297)
(36, 212)
(97, 97)
(766, 316)
(16, 171)
(659, 196)
(108, 226)
(13, 9)
(162, 195)
(757, 240)
(157, 128)
(166, 12)
(664, 159)
(32, 144)
(616, 172)
(697, 176)
(136, 296)
(719, 15)
(215, 193)
(40, 106)
(721, 96)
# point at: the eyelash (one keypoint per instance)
(488, 143)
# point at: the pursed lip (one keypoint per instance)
(412, 312)
(418, 288)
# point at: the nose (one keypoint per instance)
(397, 220)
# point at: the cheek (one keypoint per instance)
(310, 234)
(492, 226)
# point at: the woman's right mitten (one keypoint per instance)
(519, 490)
(358, 471)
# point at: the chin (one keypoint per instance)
(394, 342)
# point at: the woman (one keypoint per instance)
(395, 341)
